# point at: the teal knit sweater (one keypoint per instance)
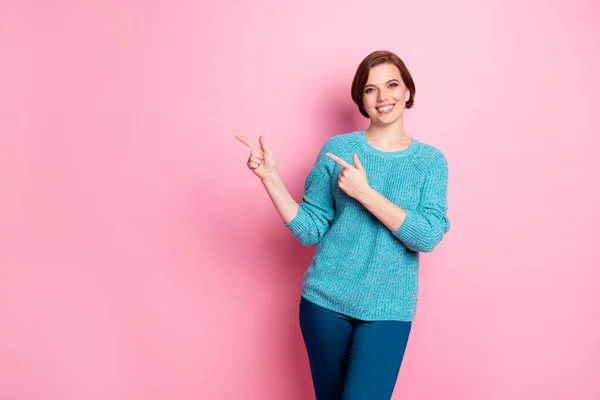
(360, 267)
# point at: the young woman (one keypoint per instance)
(373, 201)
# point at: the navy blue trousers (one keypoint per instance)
(351, 359)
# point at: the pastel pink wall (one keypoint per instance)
(140, 259)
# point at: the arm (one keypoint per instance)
(262, 163)
(283, 201)
(310, 220)
(384, 210)
(421, 229)
(315, 213)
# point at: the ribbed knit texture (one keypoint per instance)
(360, 268)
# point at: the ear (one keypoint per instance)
(407, 96)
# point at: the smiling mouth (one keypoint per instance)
(385, 108)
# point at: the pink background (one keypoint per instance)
(140, 259)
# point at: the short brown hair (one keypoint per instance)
(362, 75)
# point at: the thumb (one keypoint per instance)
(358, 164)
(264, 146)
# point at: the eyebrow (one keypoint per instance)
(391, 80)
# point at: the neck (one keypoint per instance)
(391, 133)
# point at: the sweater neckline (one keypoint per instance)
(362, 135)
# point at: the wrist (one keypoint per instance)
(272, 178)
(366, 196)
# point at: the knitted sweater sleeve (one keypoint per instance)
(317, 209)
(424, 227)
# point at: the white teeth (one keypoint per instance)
(386, 108)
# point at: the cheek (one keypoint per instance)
(401, 96)
(399, 93)
(407, 94)
(368, 101)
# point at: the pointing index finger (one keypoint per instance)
(338, 160)
(248, 143)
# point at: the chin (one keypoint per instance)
(386, 119)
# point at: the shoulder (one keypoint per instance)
(340, 141)
(428, 156)
(343, 138)
(429, 153)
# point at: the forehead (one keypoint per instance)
(383, 73)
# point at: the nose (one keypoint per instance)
(383, 95)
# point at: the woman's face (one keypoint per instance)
(385, 95)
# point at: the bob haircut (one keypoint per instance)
(362, 75)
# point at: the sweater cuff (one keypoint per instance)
(409, 230)
(299, 226)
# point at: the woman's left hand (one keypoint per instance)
(352, 179)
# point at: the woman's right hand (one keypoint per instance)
(261, 161)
